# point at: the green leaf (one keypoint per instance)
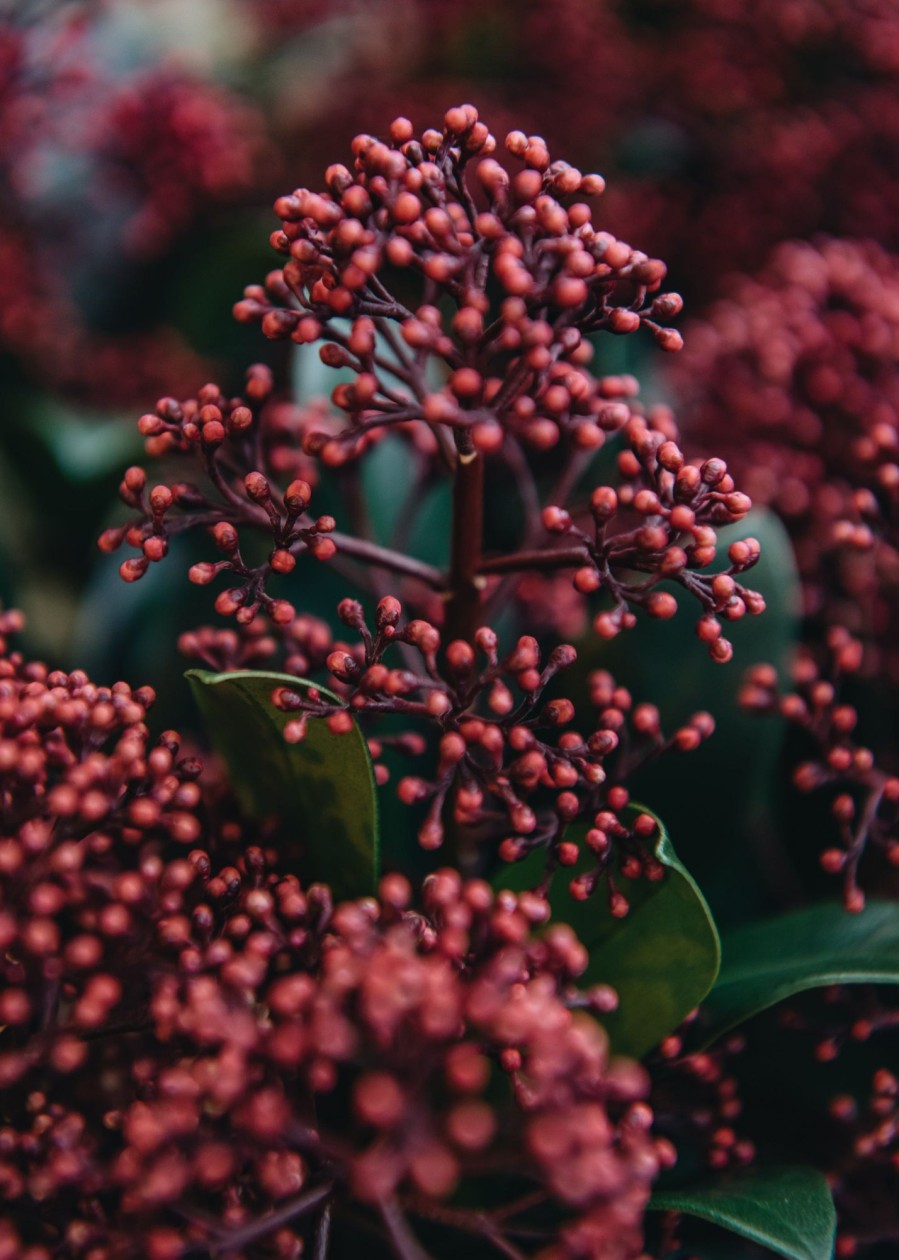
(85, 445)
(764, 963)
(788, 1210)
(321, 791)
(661, 958)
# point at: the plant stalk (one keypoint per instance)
(465, 583)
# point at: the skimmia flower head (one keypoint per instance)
(458, 299)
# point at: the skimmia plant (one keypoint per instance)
(231, 1027)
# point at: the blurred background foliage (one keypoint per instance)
(143, 141)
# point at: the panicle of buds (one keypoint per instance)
(696, 1099)
(514, 770)
(201, 1054)
(865, 799)
(512, 382)
(660, 525)
(438, 212)
(796, 371)
(221, 433)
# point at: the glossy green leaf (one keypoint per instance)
(321, 791)
(764, 963)
(661, 958)
(788, 1210)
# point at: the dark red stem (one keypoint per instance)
(465, 583)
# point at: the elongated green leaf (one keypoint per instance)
(321, 791)
(764, 963)
(788, 1210)
(661, 958)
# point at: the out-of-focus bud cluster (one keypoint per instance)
(198, 1053)
(696, 1099)
(865, 799)
(857, 1138)
(795, 372)
(865, 1174)
(760, 122)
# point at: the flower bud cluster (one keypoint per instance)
(857, 1146)
(696, 1099)
(247, 647)
(439, 211)
(797, 368)
(838, 1017)
(658, 526)
(187, 144)
(864, 1175)
(200, 1054)
(224, 436)
(865, 799)
(513, 769)
(660, 522)
(737, 92)
(41, 326)
(97, 825)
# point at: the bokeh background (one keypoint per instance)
(143, 141)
